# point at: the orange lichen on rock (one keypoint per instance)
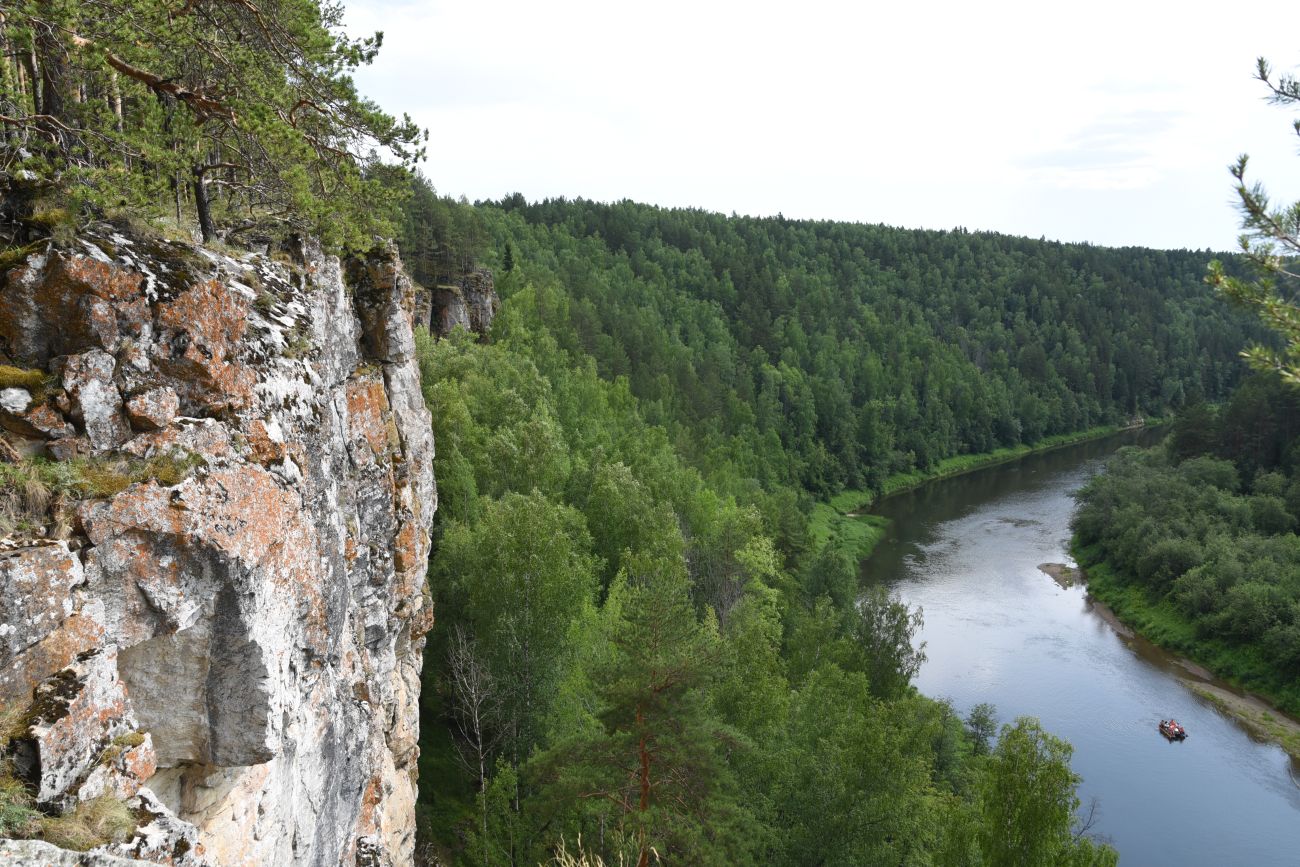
(367, 403)
(198, 333)
(230, 636)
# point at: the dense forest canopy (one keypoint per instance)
(640, 642)
(826, 354)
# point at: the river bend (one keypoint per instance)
(998, 629)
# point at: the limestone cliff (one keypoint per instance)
(469, 302)
(218, 609)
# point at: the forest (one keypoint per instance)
(641, 641)
(1194, 541)
(643, 652)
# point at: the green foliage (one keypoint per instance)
(31, 490)
(884, 630)
(440, 239)
(245, 112)
(1197, 550)
(1270, 241)
(516, 578)
(982, 723)
(679, 672)
(826, 356)
(1028, 802)
(855, 784)
(671, 392)
(654, 770)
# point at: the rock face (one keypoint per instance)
(470, 303)
(227, 629)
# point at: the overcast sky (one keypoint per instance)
(1109, 122)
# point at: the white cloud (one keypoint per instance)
(1110, 122)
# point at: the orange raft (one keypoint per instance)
(1172, 730)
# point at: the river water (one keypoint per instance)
(998, 629)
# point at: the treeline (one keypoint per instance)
(825, 355)
(1196, 539)
(623, 657)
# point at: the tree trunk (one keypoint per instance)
(203, 206)
(115, 90)
(644, 803)
(51, 72)
(27, 70)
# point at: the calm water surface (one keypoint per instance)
(999, 630)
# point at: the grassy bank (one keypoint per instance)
(1157, 619)
(841, 516)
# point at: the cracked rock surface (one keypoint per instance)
(191, 634)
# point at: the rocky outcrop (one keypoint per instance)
(470, 303)
(220, 616)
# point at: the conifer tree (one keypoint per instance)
(653, 772)
(1270, 240)
(235, 109)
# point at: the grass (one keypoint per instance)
(29, 489)
(16, 255)
(19, 818)
(91, 823)
(858, 534)
(120, 744)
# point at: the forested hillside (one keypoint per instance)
(639, 641)
(1195, 541)
(828, 354)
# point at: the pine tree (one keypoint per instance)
(238, 110)
(654, 772)
(1270, 240)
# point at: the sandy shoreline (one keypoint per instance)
(1063, 575)
(1254, 713)
(1258, 716)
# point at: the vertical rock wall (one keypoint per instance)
(227, 627)
(469, 302)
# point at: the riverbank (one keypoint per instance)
(843, 516)
(1251, 699)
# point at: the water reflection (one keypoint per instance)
(998, 629)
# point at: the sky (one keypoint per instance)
(1107, 122)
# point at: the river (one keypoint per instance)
(997, 629)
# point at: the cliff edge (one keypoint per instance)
(218, 488)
